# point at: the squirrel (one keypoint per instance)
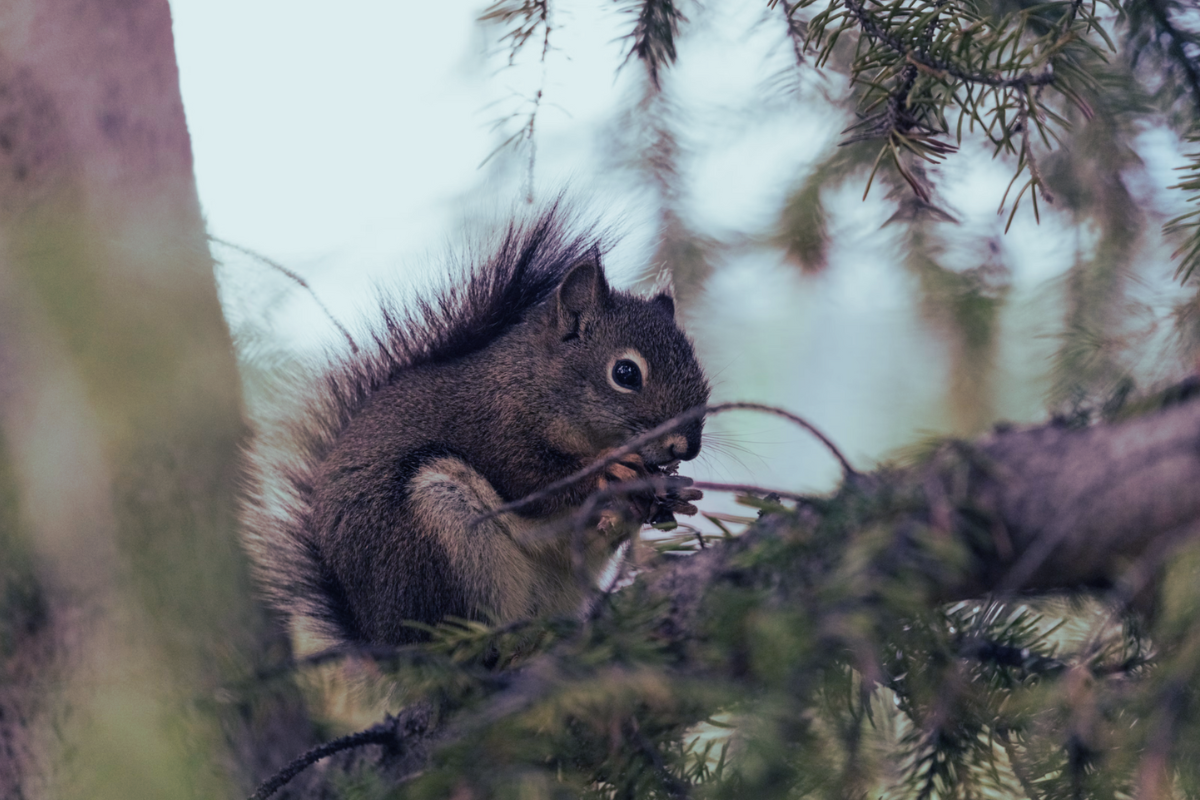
(368, 513)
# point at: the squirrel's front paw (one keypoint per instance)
(676, 500)
(647, 505)
(628, 468)
(637, 505)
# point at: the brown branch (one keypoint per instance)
(692, 414)
(1076, 507)
(393, 733)
(295, 277)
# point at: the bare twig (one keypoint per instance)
(387, 733)
(692, 414)
(296, 278)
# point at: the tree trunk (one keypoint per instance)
(121, 583)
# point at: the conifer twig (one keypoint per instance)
(674, 787)
(386, 733)
(873, 29)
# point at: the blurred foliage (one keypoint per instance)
(22, 602)
(820, 668)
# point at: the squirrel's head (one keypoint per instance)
(622, 366)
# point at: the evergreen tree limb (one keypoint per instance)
(652, 39)
(1177, 42)
(394, 733)
(1067, 510)
(1042, 509)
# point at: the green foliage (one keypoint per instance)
(821, 669)
(927, 68)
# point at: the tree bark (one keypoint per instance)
(1069, 509)
(1078, 508)
(119, 422)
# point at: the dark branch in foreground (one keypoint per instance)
(598, 466)
(1039, 509)
(393, 733)
(376, 734)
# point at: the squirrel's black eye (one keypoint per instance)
(627, 375)
(628, 371)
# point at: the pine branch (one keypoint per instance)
(394, 733)
(916, 58)
(652, 39)
(1030, 510)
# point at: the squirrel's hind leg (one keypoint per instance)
(497, 575)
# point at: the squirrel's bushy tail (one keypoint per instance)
(490, 288)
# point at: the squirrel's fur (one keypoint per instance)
(358, 509)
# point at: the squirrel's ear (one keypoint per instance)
(582, 295)
(663, 291)
(666, 303)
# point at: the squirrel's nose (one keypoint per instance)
(683, 445)
(676, 446)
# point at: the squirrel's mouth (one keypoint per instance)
(667, 468)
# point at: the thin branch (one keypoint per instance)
(386, 733)
(299, 280)
(751, 490)
(630, 447)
